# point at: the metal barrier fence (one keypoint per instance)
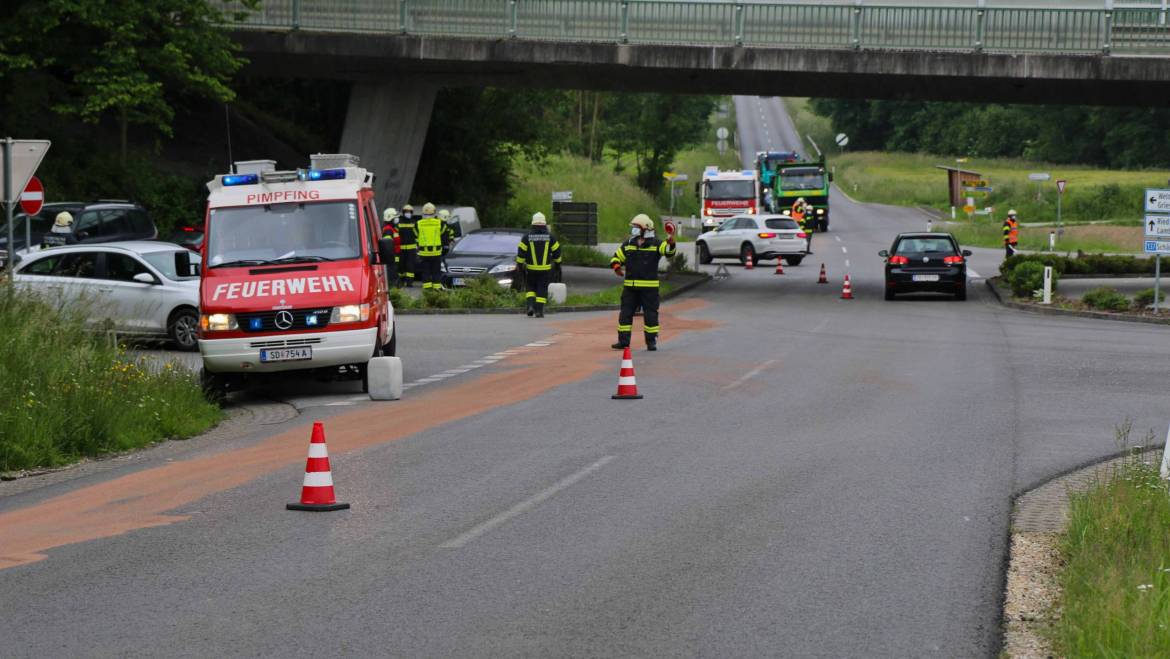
(1130, 30)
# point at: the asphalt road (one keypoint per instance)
(806, 476)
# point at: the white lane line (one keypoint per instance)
(838, 238)
(847, 264)
(749, 375)
(971, 274)
(340, 403)
(523, 507)
(844, 249)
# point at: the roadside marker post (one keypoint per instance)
(1047, 284)
(1166, 458)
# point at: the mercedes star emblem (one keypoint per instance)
(926, 259)
(284, 320)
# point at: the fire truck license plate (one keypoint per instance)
(286, 354)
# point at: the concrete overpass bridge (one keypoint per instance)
(400, 52)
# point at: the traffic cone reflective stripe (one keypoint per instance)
(847, 290)
(747, 264)
(779, 266)
(627, 386)
(317, 489)
(823, 279)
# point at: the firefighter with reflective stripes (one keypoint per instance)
(433, 237)
(390, 232)
(536, 254)
(638, 257)
(1011, 233)
(408, 244)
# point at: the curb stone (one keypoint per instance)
(1031, 588)
(1005, 300)
(696, 281)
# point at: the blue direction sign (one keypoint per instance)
(1157, 247)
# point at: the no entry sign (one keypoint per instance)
(33, 197)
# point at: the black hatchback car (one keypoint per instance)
(926, 262)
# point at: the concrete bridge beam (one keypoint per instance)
(386, 126)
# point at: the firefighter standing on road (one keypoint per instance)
(390, 232)
(408, 237)
(639, 255)
(1011, 233)
(536, 254)
(433, 236)
(802, 213)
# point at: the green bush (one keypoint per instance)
(583, 255)
(482, 292)
(69, 392)
(1026, 278)
(1106, 299)
(1082, 264)
(1145, 298)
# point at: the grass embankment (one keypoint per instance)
(618, 198)
(1116, 580)
(68, 393)
(1107, 238)
(808, 124)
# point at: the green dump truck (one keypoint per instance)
(809, 180)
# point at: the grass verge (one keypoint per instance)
(692, 161)
(70, 393)
(1116, 580)
(1102, 238)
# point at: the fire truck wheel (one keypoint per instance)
(215, 386)
(391, 347)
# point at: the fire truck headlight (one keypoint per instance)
(350, 313)
(218, 322)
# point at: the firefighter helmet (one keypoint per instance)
(408, 209)
(642, 221)
(389, 214)
(538, 220)
(64, 219)
(445, 214)
(428, 208)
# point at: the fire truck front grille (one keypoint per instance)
(286, 320)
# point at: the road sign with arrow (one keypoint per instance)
(1157, 201)
(1157, 226)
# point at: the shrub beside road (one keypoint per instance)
(70, 392)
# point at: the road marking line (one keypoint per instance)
(973, 275)
(844, 249)
(847, 264)
(838, 238)
(749, 375)
(523, 507)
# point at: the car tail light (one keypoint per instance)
(766, 235)
(953, 260)
(802, 235)
(899, 260)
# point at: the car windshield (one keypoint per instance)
(487, 243)
(164, 262)
(283, 233)
(802, 179)
(722, 190)
(925, 246)
(781, 223)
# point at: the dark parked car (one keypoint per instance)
(102, 221)
(926, 262)
(190, 237)
(486, 251)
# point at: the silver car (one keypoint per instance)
(134, 285)
(755, 237)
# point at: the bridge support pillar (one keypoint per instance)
(386, 125)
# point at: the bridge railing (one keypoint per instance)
(1130, 30)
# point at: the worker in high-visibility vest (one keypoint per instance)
(390, 232)
(433, 236)
(1011, 233)
(802, 212)
(408, 242)
(638, 256)
(537, 252)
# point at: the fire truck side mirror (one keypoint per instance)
(386, 250)
(184, 266)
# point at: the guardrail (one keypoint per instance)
(1130, 30)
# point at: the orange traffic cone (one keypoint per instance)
(317, 493)
(847, 290)
(824, 279)
(747, 264)
(779, 266)
(627, 387)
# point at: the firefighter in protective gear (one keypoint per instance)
(408, 245)
(638, 256)
(390, 232)
(63, 223)
(536, 254)
(433, 237)
(445, 216)
(802, 212)
(1011, 233)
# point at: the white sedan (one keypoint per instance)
(755, 237)
(134, 285)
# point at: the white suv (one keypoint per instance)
(755, 237)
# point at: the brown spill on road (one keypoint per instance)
(142, 499)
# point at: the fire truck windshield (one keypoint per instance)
(283, 233)
(726, 190)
